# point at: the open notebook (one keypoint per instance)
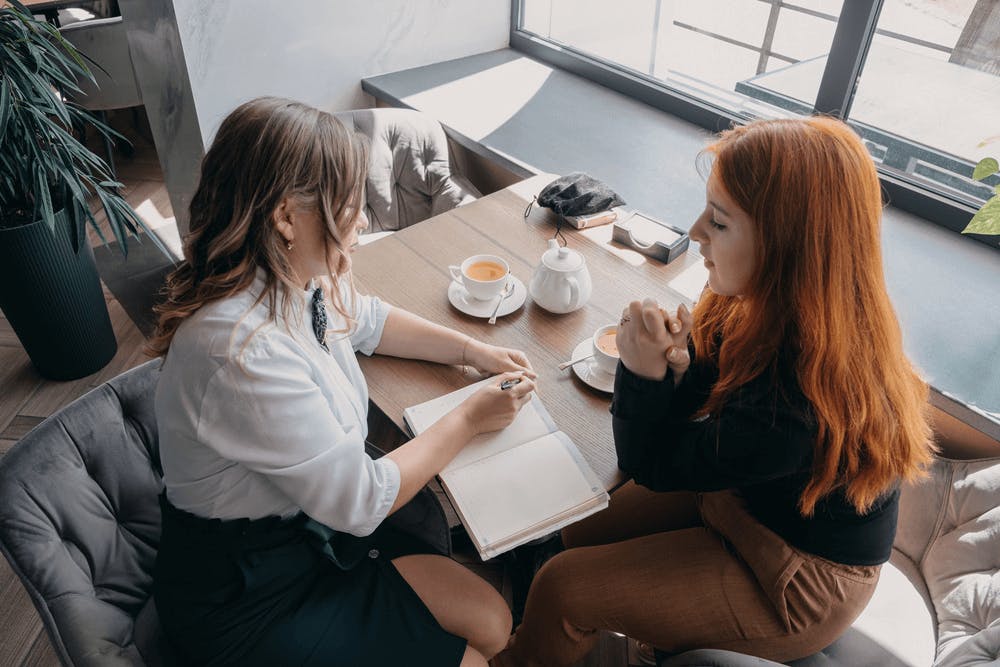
(516, 485)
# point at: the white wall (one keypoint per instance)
(317, 51)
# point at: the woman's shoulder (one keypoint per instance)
(234, 328)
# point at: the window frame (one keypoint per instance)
(856, 27)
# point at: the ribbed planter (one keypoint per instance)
(53, 299)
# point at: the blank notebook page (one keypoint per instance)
(528, 425)
(519, 488)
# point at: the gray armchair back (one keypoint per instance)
(104, 41)
(410, 177)
(80, 522)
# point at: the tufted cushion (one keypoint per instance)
(79, 518)
(960, 560)
(409, 178)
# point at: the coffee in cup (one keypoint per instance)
(483, 276)
(607, 342)
(485, 271)
(606, 348)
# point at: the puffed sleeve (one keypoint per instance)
(267, 413)
(370, 314)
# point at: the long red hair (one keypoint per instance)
(818, 291)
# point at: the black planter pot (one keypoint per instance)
(53, 299)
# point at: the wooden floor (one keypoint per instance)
(26, 399)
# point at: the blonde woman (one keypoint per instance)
(273, 548)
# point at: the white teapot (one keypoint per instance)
(561, 282)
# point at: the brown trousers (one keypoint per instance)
(682, 571)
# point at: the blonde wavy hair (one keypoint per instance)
(266, 150)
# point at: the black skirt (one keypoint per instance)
(292, 592)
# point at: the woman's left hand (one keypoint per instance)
(487, 358)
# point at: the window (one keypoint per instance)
(711, 50)
(918, 79)
(928, 99)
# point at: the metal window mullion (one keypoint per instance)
(653, 47)
(768, 41)
(855, 29)
(516, 12)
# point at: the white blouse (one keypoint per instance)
(256, 419)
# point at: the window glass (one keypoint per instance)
(926, 101)
(716, 50)
(928, 98)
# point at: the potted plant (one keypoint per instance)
(49, 287)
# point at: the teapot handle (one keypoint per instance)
(574, 292)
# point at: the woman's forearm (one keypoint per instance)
(412, 337)
(427, 454)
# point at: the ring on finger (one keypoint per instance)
(624, 319)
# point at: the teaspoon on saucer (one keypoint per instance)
(572, 362)
(507, 291)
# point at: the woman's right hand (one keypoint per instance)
(492, 408)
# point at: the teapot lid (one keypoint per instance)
(561, 258)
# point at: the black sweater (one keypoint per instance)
(760, 443)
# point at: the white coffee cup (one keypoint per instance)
(605, 349)
(483, 276)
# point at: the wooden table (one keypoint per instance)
(409, 269)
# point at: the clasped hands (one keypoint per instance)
(651, 339)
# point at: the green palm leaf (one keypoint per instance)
(43, 166)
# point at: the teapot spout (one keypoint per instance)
(553, 244)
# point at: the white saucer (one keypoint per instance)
(588, 371)
(459, 297)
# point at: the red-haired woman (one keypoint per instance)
(767, 434)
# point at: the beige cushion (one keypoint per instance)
(900, 616)
(949, 527)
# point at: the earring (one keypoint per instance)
(289, 245)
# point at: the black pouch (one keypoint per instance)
(578, 194)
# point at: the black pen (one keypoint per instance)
(507, 384)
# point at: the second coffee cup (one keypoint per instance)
(606, 349)
(483, 276)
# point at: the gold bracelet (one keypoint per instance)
(468, 339)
